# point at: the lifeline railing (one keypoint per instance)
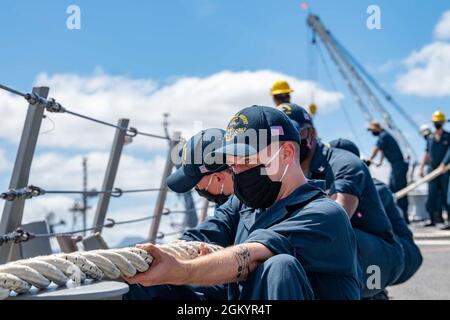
(20, 190)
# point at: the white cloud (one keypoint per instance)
(11, 125)
(4, 163)
(211, 100)
(428, 68)
(428, 71)
(58, 171)
(442, 29)
(37, 209)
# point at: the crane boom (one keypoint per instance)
(350, 75)
(386, 95)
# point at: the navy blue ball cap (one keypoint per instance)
(297, 114)
(193, 164)
(254, 128)
(345, 144)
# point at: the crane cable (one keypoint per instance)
(372, 98)
(377, 86)
(333, 84)
(338, 56)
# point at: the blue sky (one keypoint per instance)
(157, 43)
(166, 39)
(161, 39)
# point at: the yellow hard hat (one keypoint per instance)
(280, 87)
(438, 116)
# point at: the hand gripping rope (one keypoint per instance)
(40, 272)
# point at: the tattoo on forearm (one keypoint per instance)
(242, 256)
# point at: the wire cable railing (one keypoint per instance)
(162, 235)
(20, 235)
(333, 84)
(33, 191)
(52, 106)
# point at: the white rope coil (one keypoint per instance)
(68, 268)
(14, 283)
(47, 270)
(40, 272)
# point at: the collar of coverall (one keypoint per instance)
(319, 160)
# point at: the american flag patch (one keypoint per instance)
(276, 131)
(203, 169)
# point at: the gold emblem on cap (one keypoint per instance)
(237, 124)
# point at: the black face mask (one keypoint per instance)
(376, 134)
(438, 126)
(254, 189)
(304, 150)
(220, 199)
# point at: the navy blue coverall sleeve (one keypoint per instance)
(319, 235)
(219, 229)
(446, 160)
(380, 144)
(349, 175)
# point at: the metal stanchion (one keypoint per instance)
(13, 210)
(163, 192)
(110, 174)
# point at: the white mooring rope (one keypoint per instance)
(40, 272)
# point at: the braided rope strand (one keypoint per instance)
(19, 276)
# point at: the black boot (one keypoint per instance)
(430, 224)
(438, 217)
